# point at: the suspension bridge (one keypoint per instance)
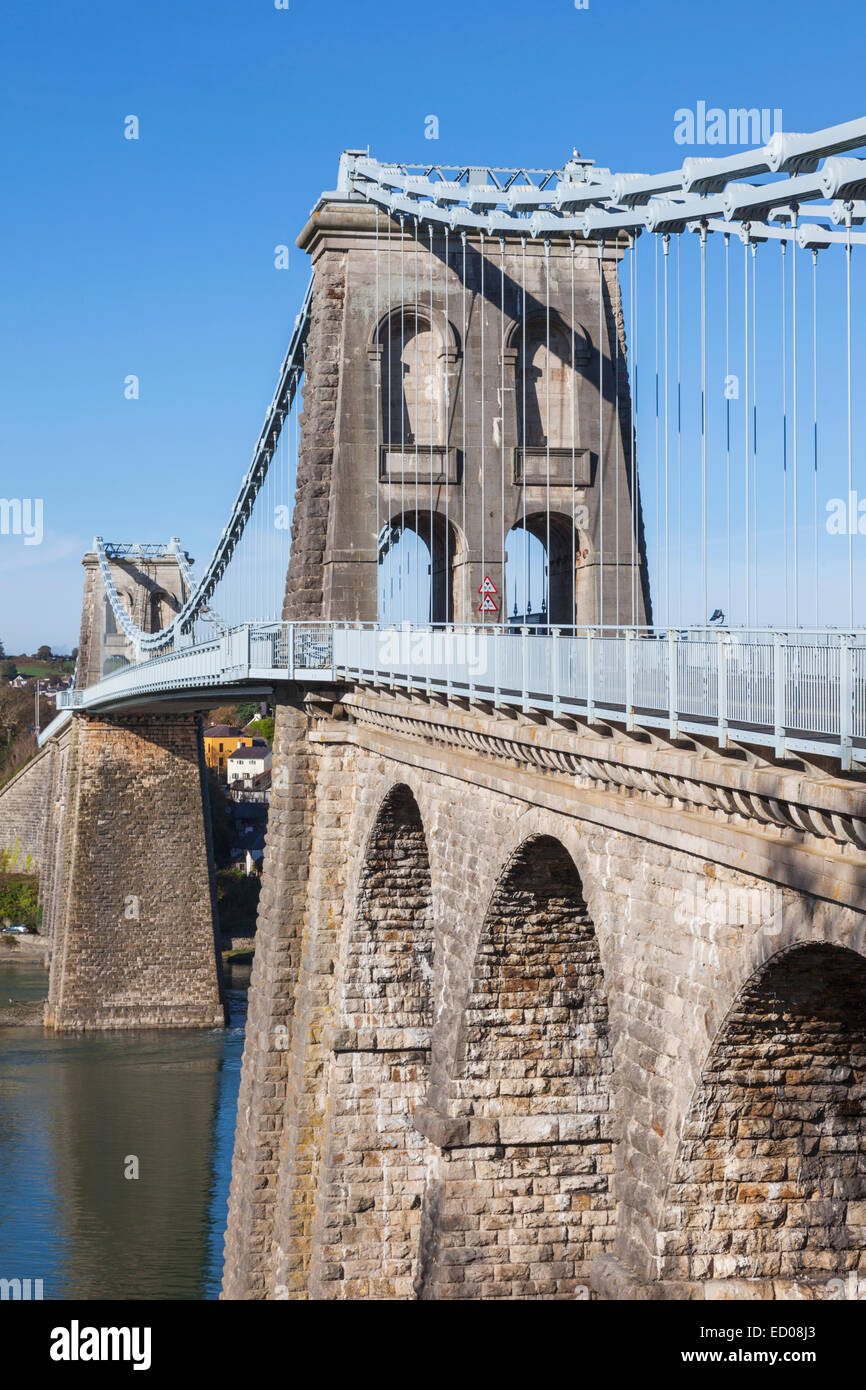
(556, 588)
(737, 395)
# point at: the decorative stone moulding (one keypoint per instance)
(786, 815)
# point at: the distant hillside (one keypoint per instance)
(31, 666)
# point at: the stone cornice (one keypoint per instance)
(821, 808)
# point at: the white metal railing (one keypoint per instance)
(796, 691)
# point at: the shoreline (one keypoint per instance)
(29, 947)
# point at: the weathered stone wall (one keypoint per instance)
(132, 895)
(374, 1172)
(56, 830)
(315, 482)
(23, 812)
(273, 1002)
(771, 1177)
(525, 1214)
(589, 942)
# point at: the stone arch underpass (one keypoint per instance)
(521, 1199)
(770, 1180)
(373, 1178)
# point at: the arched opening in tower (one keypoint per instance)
(545, 558)
(770, 1180)
(546, 385)
(419, 553)
(413, 380)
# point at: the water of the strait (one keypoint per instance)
(75, 1111)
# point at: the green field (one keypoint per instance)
(30, 668)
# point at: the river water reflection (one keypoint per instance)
(74, 1111)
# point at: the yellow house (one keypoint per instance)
(220, 741)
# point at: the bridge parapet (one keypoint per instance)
(795, 692)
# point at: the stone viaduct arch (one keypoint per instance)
(373, 1176)
(769, 1182)
(522, 1199)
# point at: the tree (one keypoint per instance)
(44, 654)
(224, 714)
(247, 710)
(9, 670)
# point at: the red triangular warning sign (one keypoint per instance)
(488, 605)
(488, 587)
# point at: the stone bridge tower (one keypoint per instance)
(152, 588)
(505, 354)
(460, 390)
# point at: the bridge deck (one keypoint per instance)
(792, 691)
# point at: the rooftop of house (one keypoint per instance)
(259, 750)
(223, 731)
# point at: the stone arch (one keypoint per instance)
(566, 550)
(414, 349)
(769, 1184)
(548, 357)
(524, 1202)
(374, 1173)
(162, 608)
(441, 548)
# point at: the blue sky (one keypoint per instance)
(155, 257)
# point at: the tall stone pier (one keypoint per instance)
(133, 903)
(128, 889)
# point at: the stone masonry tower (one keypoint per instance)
(152, 588)
(453, 389)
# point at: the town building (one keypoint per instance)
(220, 741)
(247, 763)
